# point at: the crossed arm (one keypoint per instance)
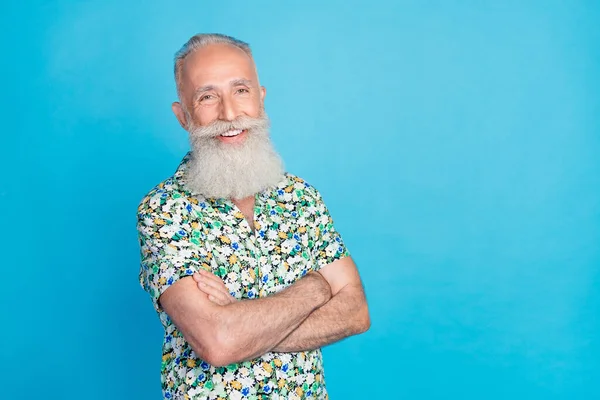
(319, 309)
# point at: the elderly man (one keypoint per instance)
(241, 259)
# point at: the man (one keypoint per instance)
(242, 261)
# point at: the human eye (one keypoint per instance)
(208, 98)
(242, 91)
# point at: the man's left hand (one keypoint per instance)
(214, 287)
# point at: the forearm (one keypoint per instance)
(344, 315)
(251, 328)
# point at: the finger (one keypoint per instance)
(218, 300)
(210, 290)
(213, 281)
(223, 296)
(219, 285)
(215, 293)
(213, 289)
(210, 275)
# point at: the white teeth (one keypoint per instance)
(233, 132)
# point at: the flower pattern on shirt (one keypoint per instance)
(181, 232)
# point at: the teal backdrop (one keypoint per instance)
(457, 144)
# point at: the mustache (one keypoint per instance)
(218, 127)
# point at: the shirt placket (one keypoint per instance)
(265, 266)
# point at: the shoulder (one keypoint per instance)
(300, 188)
(168, 197)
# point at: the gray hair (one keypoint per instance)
(201, 40)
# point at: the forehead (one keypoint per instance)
(216, 64)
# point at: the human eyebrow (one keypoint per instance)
(241, 82)
(201, 90)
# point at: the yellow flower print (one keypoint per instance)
(191, 362)
(238, 215)
(236, 385)
(302, 229)
(277, 362)
(162, 280)
(282, 235)
(281, 383)
(159, 221)
(195, 225)
(299, 391)
(256, 226)
(267, 367)
(289, 189)
(224, 239)
(233, 259)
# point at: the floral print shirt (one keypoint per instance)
(181, 232)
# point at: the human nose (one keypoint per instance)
(228, 109)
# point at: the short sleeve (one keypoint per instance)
(328, 244)
(167, 245)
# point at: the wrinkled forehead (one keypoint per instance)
(217, 65)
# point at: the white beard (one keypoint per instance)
(233, 170)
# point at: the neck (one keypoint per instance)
(246, 206)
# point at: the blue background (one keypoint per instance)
(456, 143)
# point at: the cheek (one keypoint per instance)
(204, 116)
(252, 107)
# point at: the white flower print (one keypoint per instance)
(190, 377)
(228, 377)
(288, 245)
(272, 234)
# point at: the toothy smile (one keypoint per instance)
(232, 133)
